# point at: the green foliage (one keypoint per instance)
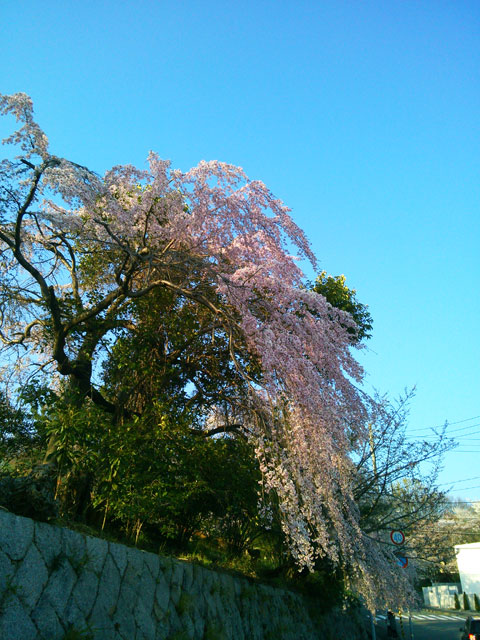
(466, 603)
(179, 635)
(214, 631)
(324, 587)
(175, 345)
(86, 633)
(340, 296)
(27, 487)
(21, 443)
(32, 496)
(476, 602)
(57, 562)
(147, 471)
(169, 478)
(456, 601)
(78, 564)
(341, 623)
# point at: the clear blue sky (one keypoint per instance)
(362, 116)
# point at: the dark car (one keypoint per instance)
(471, 630)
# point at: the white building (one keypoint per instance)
(468, 561)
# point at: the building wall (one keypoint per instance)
(468, 561)
(442, 596)
(53, 579)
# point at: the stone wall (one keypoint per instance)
(56, 583)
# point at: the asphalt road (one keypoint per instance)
(426, 625)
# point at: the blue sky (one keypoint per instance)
(362, 116)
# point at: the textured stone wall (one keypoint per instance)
(54, 580)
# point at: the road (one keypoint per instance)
(426, 625)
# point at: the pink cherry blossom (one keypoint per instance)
(307, 413)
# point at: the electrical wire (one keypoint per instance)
(448, 424)
(459, 481)
(467, 488)
(433, 435)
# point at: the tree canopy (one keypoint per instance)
(334, 289)
(193, 273)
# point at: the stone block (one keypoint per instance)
(177, 573)
(175, 593)
(239, 585)
(75, 548)
(173, 621)
(146, 590)
(162, 623)
(187, 576)
(135, 561)
(97, 550)
(211, 612)
(101, 624)
(124, 622)
(31, 578)
(48, 541)
(59, 586)
(16, 535)
(197, 591)
(166, 567)
(188, 627)
(7, 571)
(199, 624)
(153, 564)
(74, 616)
(119, 555)
(162, 595)
(219, 606)
(197, 572)
(85, 591)
(144, 619)
(108, 586)
(227, 585)
(128, 596)
(236, 623)
(46, 620)
(15, 623)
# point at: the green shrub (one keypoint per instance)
(179, 635)
(32, 496)
(78, 634)
(476, 602)
(213, 631)
(456, 601)
(466, 604)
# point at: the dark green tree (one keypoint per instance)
(341, 297)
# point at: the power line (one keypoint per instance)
(467, 488)
(464, 451)
(470, 426)
(458, 481)
(447, 434)
(448, 424)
